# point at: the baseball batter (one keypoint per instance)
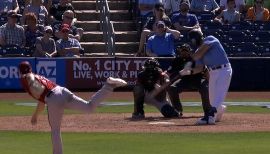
(211, 53)
(58, 98)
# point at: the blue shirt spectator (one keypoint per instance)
(162, 43)
(204, 5)
(67, 47)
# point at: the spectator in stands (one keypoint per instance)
(229, 15)
(7, 5)
(239, 5)
(171, 6)
(146, 9)
(45, 46)
(32, 30)
(161, 44)
(258, 12)
(184, 21)
(67, 46)
(40, 11)
(204, 6)
(250, 3)
(11, 33)
(74, 32)
(150, 26)
(57, 10)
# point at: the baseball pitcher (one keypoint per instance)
(58, 98)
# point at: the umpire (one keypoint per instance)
(149, 78)
(196, 81)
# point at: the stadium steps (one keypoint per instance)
(125, 28)
(120, 36)
(91, 5)
(94, 48)
(95, 26)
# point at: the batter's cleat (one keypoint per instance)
(220, 112)
(206, 120)
(116, 82)
(137, 116)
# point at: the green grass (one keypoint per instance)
(9, 108)
(137, 143)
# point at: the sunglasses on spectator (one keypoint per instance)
(259, 2)
(69, 17)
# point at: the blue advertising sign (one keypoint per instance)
(54, 69)
(9, 74)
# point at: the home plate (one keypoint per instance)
(161, 123)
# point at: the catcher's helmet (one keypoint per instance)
(195, 36)
(25, 67)
(151, 64)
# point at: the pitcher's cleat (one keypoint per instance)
(116, 82)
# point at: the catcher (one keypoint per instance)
(58, 98)
(196, 81)
(151, 77)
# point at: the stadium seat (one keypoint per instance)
(228, 49)
(205, 17)
(15, 51)
(237, 36)
(262, 36)
(242, 25)
(246, 50)
(264, 49)
(211, 25)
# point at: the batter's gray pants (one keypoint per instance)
(61, 98)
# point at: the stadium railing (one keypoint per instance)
(106, 26)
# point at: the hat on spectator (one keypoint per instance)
(12, 13)
(185, 2)
(159, 6)
(65, 28)
(48, 28)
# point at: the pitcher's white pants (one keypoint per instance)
(60, 99)
(219, 82)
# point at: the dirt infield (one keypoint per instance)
(153, 123)
(98, 122)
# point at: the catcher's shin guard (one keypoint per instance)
(168, 111)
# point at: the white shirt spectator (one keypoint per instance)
(171, 5)
(238, 3)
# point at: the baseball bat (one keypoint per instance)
(166, 85)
